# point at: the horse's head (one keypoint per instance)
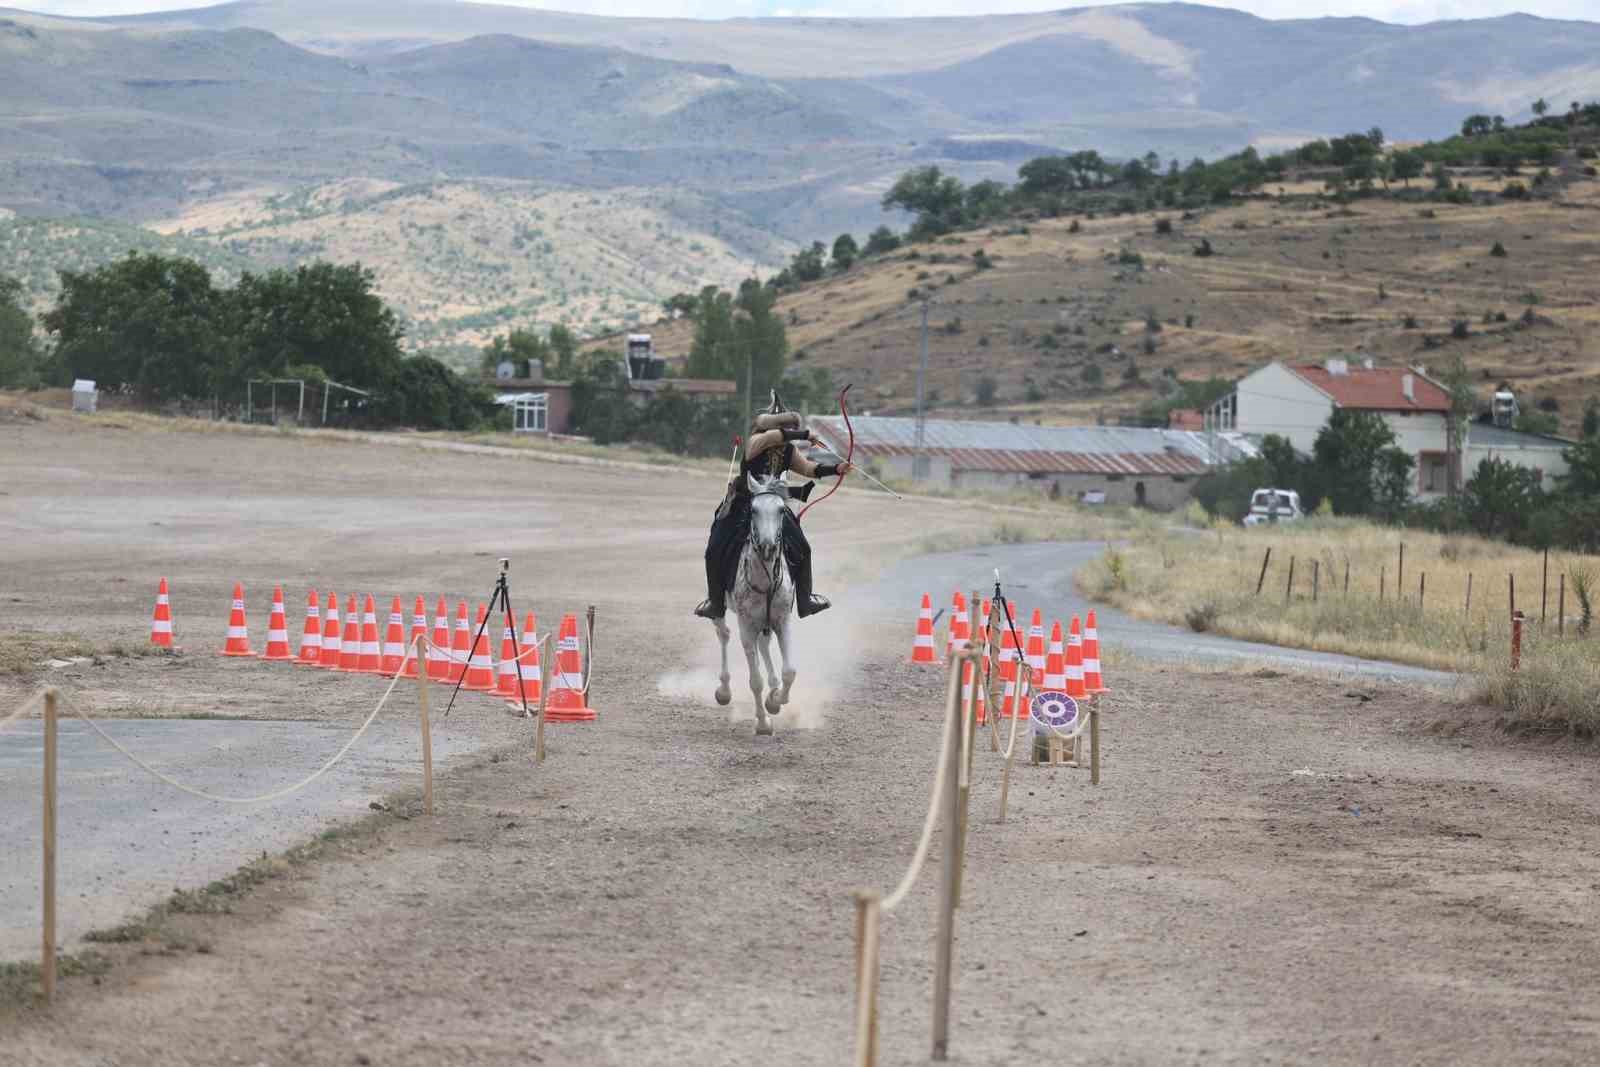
(767, 496)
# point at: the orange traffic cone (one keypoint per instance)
(1091, 658)
(505, 676)
(460, 645)
(413, 651)
(532, 682)
(960, 629)
(438, 661)
(277, 629)
(1036, 647)
(371, 661)
(1008, 663)
(983, 666)
(394, 642)
(331, 642)
(480, 668)
(350, 644)
(1075, 687)
(1055, 663)
(161, 621)
(922, 647)
(238, 643)
(567, 698)
(311, 636)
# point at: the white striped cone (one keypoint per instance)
(1092, 679)
(922, 650)
(1055, 663)
(438, 662)
(277, 629)
(394, 641)
(480, 667)
(371, 658)
(532, 676)
(1036, 649)
(505, 678)
(311, 637)
(332, 643)
(460, 645)
(238, 643)
(1075, 687)
(419, 629)
(161, 621)
(960, 629)
(567, 698)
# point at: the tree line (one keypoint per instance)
(158, 327)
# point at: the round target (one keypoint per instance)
(1055, 710)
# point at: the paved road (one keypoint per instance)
(1040, 576)
(125, 840)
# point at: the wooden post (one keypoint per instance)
(544, 701)
(1400, 575)
(47, 957)
(1468, 609)
(1264, 561)
(1544, 588)
(1094, 740)
(1511, 585)
(1347, 576)
(588, 653)
(1316, 578)
(1422, 589)
(868, 911)
(949, 871)
(1516, 640)
(1382, 577)
(427, 730)
(1561, 604)
(1288, 588)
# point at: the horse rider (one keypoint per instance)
(769, 451)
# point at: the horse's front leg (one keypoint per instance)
(748, 636)
(724, 693)
(786, 651)
(774, 699)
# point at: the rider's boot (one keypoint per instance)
(807, 602)
(714, 605)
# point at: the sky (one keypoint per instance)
(1405, 11)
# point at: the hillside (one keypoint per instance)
(1295, 278)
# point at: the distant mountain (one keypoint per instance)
(788, 128)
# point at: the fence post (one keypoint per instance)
(949, 869)
(1094, 739)
(1511, 585)
(868, 904)
(427, 730)
(47, 957)
(1544, 588)
(1383, 574)
(1468, 609)
(1264, 561)
(1347, 576)
(1561, 605)
(1288, 589)
(1516, 640)
(1316, 578)
(544, 701)
(1422, 590)
(1400, 575)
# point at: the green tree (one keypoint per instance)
(1476, 125)
(152, 322)
(564, 346)
(844, 251)
(519, 347)
(881, 240)
(935, 198)
(1499, 497)
(1406, 165)
(1358, 467)
(322, 314)
(807, 264)
(1583, 468)
(425, 394)
(22, 362)
(1540, 106)
(1591, 418)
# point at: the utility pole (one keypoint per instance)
(919, 463)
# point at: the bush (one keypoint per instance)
(1202, 617)
(1204, 248)
(1460, 330)
(1410, 322)
(1129, 258)
(1163, 226)
(985, 390)
(1093, 375)
(953, 326)
(1151, 323)
(1499, 251)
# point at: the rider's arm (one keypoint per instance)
(782, 420)
(762, 441)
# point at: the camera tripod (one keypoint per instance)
(501, 595)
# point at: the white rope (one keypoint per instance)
(265, 797)
(27, 706)
(450, 654)
(921, 855)
(589, 647)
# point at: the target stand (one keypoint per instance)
(1053, 714)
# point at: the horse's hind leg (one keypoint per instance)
(786, 651)
(724, 694)
(749, 638)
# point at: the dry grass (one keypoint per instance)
(1179, 577)
(27, 651)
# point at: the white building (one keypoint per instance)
(1295, 401)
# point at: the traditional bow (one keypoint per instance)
(849, 454)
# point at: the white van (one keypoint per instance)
(1274, 505)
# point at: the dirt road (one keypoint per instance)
(1275, 869)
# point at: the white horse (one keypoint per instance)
(763, 599)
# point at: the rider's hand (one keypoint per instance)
(814, 439)
(846, 467)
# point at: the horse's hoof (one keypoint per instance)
(774, 705)
(763, 729)
(724, 696)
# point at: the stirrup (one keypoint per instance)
(814, 604)
(708, 610)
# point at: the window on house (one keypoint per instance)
(529, 414)
(1435, 477)
(1115, 477)
(1180, 478)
